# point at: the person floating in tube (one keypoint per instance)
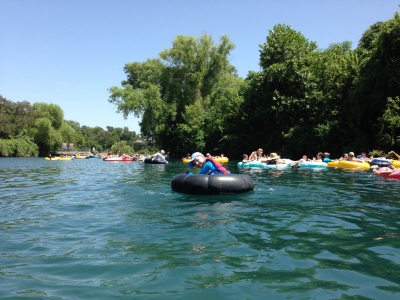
(207, 165)
(159, 156)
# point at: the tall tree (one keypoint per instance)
(46, 137)
(172, 93)
(279, 102)
(378, 81)
(53, 112)
(15, 117)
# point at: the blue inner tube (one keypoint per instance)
(380, 162)
(259, 164)
(217, 184)
(154, 161)
(313, 164)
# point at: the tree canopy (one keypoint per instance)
(179, 95)
(303, 100)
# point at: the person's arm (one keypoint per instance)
(251, 157)
(207, 167)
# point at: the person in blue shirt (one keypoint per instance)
(207, 165)
(326, 157)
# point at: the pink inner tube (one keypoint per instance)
(395, 175)
(384, 175)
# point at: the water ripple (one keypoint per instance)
(88, 229)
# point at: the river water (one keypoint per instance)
(89, 229)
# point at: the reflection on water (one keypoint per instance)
(89, 229)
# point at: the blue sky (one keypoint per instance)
(69, 52)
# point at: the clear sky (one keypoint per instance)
(69, 52)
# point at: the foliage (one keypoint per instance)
(121, 148)
(53, 112)
(172, 94)
(377, 153)
(390, 123)
(303, 100)
(46, 137)
(20, 146)
(15, 117)
(379, 80)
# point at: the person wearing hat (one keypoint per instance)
(207, 165)
(273, 159)
(326, 157)
(352, 158)
(159, 155)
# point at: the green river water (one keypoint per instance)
(89, 229)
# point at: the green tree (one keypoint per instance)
(390, 123)
(172, 94)
(281, 103)
(335, 70)
(378, 81)
(53, 112)
(46, 137)
(67, 133)
(121, 148)
(15, 117)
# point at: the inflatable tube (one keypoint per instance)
(222, 159)
(218, 159)
(392, 175)
(277, 166)
(395, 175)
(396, 163)
(251, 164)
(380, 162)
(287, 164)
(313, 164)
(149, 160)
(119, 159)
(346, 164)
(333, 164)
(217, 184)
(59, 158)
(263, 165)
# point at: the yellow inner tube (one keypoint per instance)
(396, 163)
(345, 164)
(333, 163)
(218, 159)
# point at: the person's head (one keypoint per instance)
(326, 154)
(351, 154)
(345, 155)
(208, 155)
(319, 154)
(260, 151)
(304, 157)
(197, 159)
(245, 156)
(162, 152)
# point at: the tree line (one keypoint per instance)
(40, 129)
(303, 100)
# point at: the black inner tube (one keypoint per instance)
(218, 184)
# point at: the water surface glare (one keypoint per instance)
(89, 229)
